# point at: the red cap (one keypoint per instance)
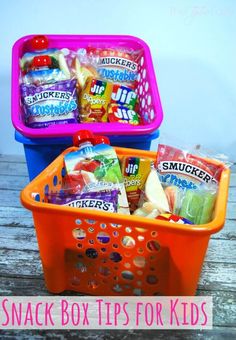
(42, 60)
(83, 136)
(39, 42)
(101, 140)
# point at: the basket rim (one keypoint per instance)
(59, 130)
(212, 227)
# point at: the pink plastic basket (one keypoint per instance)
(150, 104)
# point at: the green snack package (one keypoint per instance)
(197, 206)
(191, 205)
(205, 213)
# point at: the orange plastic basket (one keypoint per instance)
(102, 253)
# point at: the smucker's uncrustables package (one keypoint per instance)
(190, 182)
(50, 104)
(117, 65)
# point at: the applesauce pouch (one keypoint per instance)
(97, 170)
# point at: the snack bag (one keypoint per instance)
(173, 219)
(153, 200)
(135, 172)
(122, 114)
(187, 171)
(198, 205)
(116, 64)
(49, 104)
(101, 167)
(190, 183)
(123, 95)
(104, 200)
(82, 67)
(94, 100)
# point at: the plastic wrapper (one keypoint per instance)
(106, 201)
(82, 67)
(122, 114)
(118, 65)
(135, 171)
(49, 104)
(198, 205)
(95, 169)
(190, 182)
(173, 219)
(123, 95)
(153, 200)
(94, 100)
(185, 170)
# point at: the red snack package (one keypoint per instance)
(179, 168)
(116, 64)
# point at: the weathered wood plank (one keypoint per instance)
(231, 211)
(24, 239)
(13, 182)
(13, 169)
(12, 158)
(13, 233)
(221, 251)
(14, 208)
(215, 276)
(15, 217)
(17, 183)
(21, 217)
(233, 167)
(218, 276)
(232, 179)
(224, 307)
(11, 286)
(20, 263)
(18, 238)
(228, 232)
(218, 273)
(232, 195)
(10, 197)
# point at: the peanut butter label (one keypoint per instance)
(135, 171)
(95, 98)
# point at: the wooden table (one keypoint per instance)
(21, 271)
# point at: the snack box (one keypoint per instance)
(147, 91)
(99, 253)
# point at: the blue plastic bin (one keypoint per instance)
(40, 152)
